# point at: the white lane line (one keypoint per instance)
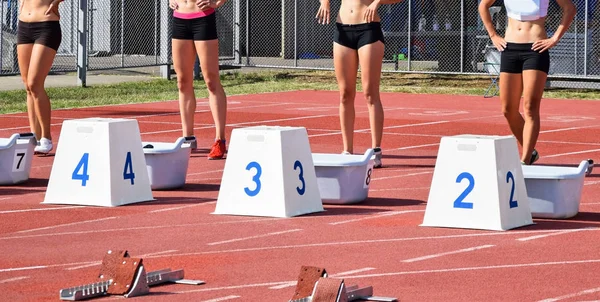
(419, 272)
(66, 224)
(402, 175)
(554, 234)
(334, 243)
(83, 266)
(233, 287)
(223, 299)
(341, 274)
(137, 228)
(417, 146)
(352, 272)
(157, 253)
(205, 172)
(100, 262)
(13, 279)
(284, 285)
(24, 268)
(577, 294)
(476, 268)
(471, 249)
(37, 209)
(182, 207)
(572, 153)
(375, 216)
(400, 189)
(567, 129)
(254, 237)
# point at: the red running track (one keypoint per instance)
(379, 242)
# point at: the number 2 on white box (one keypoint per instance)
(459, 201)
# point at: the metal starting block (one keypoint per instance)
(315, 286)
(122, 275)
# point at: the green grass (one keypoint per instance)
(264, 81)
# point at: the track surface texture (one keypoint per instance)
(377, 242)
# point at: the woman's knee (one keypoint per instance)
(213, 83)
(371, 95)
(347, 95)
(509, 110)
(185, 82)
(34, 87)
(531, 108)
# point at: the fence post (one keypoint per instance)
(236, 32)
(408, 54)
(165, 41)
(295, 33)
(585, 44)
(82, 51)
(247, 32)
(1, 39)
(462, 35)
(122, 33)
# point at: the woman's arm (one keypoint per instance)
(568, 15)
(323, 13)
(388, 1)
(486, 18)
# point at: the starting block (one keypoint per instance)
(99, 162)
(343, 179)
(122, 275)
(555, 192)
(269, 172)
(16, 154)
(478, 184)
(167, 163)
(314, 285)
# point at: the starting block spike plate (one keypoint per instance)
(478, 183)
(169, 276)
(84, 292)
(269, 172)
(99, 162)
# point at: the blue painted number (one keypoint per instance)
(128, 166)
(298, 164)
(82, 165)
(255, 178)
(512, 203)
(458, 203)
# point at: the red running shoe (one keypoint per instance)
(218, 150)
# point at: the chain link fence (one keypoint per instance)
(120, 34)
(421, 36)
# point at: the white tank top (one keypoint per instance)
(526, 10)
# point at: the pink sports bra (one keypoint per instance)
(526, 10)
(195, 15)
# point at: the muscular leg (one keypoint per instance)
(511, 87)
(534, 82)
(345, 61)
(41, 61)
(370, 57)
(24, 56)
(208, 52)
(184, 57)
